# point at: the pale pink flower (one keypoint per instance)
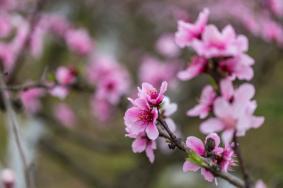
(227, 159)
(79, 41)
(60, 92)
(234, 112)
(238, 67)
(220, 44)
(142, 118)
(205, 105)
(5, 25)
(276, 6)
(66, 75)
(166, 46)
(8, 178)
(151, 94)
(57, 24)
(166, 71)
(65, 115)
(195, 68)
(37, 39)
(31, 99)
(143, 144)
(272, 31)
(101, 108)
(260, 184)
(167, 110)
(189, 32)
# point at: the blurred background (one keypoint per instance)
(94, 152)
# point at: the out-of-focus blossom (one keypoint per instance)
(143, 144)
(65, 115)
(151, 94)
(205, 105)
(6, 5)
(166, 46)
(212, 150)
(79, 41)
(101, 108)
(189, 32)
(260, 184)
(234, 112)
(272, 31)
(31, 99)
(59, 91)
(220, 44)
(66, 75)
(57, 24)
(7, 57)
(276, 6)
(166, 71)
(8, 178)
(142, 118)
(5, 25)
(166, 111)
(195, 68)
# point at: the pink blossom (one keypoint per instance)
(189, 32)
(260, 184)
(205, 105)
(57, 24)
(194, 69)
(276, 6)
(79, 41)
(66, 75)
(166, 46)
(37, 39)
(166, 71)
(227, 159)
(65, 115)
(220, 44)
(101, 108)
(142, 118)
(5, 25)
(272, 31)
(143, 144)
(31, 99)
(8, 178)
(234, 112)
(152, 96)
(59, 91)
(238, 67)
(7, 57)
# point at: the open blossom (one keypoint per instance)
(79, 41)
(142, 118)
(31, 99)
(143, 144)
(151, 95)
(210, 150)
(234, 111)
(65, 115)
(189, 32)
(166, 46)
(205, 105)
(220, 44)
(66, 75)
(195, 68)
(166, 71)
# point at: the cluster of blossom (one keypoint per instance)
(111, 81)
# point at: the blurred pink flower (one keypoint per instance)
(220, 44)
(31, 99)
(65, 115)
(276, 6)
(66, 75)
(101, 108)
(195, 68)
(167, 109)
(189, 32)
(260, 184)
(205, 105)
(79, 41)
(5, 25)
(166, 71)
(59, 91)
(166, 46)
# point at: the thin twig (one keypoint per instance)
(243, 169)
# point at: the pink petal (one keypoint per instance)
(190, 167)
(150, 154)
(227, 89)
(152, 131)
(163, 87)
(208, 176)
(227, 136)
(138, 145)
(195, 144)
(211, 125)
(214, 137)
(222, 108)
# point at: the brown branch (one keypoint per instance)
(243, 169)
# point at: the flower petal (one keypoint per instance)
(190, 167)
(195, 144)
(152, 131)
